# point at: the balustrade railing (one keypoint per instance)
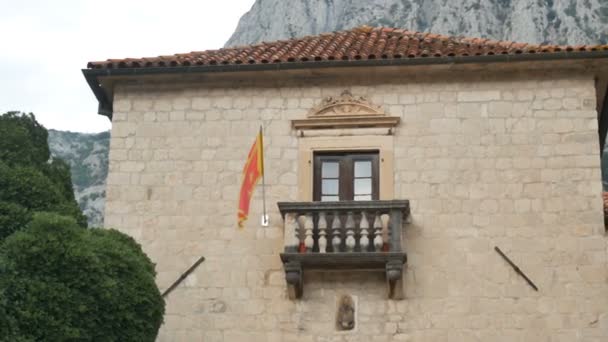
(348, 231)
(342, 235)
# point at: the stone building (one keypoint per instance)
(406, 157)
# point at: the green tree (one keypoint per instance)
(28, 178)
(24, 140)
(12, 218)
(60, 282)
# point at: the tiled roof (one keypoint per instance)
(362, 43)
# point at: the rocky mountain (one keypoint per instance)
(87, 155)
(531, 21)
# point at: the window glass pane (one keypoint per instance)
(363, 169)
(330, 198)
(329, 187)
(330, 170)
(363, 186)
(363, 197)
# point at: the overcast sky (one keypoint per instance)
(45, 44)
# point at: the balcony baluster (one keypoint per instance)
(350, 232)
(309, 242)
(364, 226)
(336, 227)
(322, 224)
(378, 233)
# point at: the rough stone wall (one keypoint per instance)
(509, 160)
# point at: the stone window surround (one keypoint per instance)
(307, 146)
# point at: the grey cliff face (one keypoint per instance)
(529, 21)
(87, 155)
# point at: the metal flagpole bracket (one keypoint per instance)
(517, 270)
(265, 220)
(183, 276)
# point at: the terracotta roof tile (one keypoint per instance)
(361, 43)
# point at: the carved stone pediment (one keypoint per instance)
(345, 104)
(345, 111)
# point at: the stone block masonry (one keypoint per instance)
(508, 160)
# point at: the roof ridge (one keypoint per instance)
(362, 42)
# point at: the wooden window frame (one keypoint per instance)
(346, 180)
(309, 145)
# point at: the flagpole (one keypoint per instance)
(264, 216)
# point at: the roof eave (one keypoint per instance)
(103, 99)
(105, 103)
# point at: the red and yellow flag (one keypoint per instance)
(252, 172)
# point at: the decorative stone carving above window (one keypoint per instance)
(345, 104)
(346, 111)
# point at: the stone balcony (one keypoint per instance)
(346, 235)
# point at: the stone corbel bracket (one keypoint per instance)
(394, 278)
(392, 263)
(345, 111)
(294, 279)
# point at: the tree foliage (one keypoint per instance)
(60, 282)
(24, 140)
(28, 178)
(12, 218)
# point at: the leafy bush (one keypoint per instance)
(28, 187)
(27, 178)
(32, 189)
(60, 282)
(12, 218)
(24, 140)
(59, 172)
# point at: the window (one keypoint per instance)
(310, 147)
(346, 176)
